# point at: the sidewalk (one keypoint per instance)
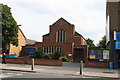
(66, 69)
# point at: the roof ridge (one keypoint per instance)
(62, 19)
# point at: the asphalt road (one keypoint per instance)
(18, 74)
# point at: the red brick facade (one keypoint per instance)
(72, 40)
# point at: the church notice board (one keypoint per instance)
(98, 54)
(30, 51)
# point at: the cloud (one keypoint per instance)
(35, 16)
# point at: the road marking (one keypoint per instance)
(4, 76)
(9, 73)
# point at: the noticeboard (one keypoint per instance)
(117, 45)
(105, 54)
(30, 51)
(98, 54)
(117, 36)
(92, 54)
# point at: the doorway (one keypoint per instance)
(78, 54)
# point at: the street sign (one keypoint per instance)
(30, 51)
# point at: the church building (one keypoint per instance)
(63, 37)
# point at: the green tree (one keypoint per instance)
(90, 42)
(102, 43)
(9, 27)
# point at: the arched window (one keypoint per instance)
(61, 36)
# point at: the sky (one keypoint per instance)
(35, 16)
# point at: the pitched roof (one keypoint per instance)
(63, 20)
(46, 34)
(29, 41)
(77, 34)
(22, 32)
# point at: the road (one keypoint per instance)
(68, 70)
(19, 74)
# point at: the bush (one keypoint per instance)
(64, 58)
(21, 54)
(39, 53)
(46, 56)
(56, 55)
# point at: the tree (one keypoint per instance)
(90, 42)
(102, 43)
(9, 27)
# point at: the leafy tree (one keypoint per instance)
(9, 27)
(90, 42)
(102, 43)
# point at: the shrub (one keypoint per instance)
(46, 56)
(56, 55)
(64, 58)
(21, 54)
(39, 53)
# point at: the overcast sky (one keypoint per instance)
(35, 16)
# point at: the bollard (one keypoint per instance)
(32, 66)
(81, 66)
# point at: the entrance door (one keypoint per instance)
(78, 54)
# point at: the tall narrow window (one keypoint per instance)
(64, 36)
(56, 36)
(60, 36)
(45, 49)
(49, 49)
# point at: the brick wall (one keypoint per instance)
(66, 47)
(97, 64)
(15, 60)
(21, 42)
(46, 62)
(61, 24)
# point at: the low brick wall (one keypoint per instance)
(97, 64)
(15, 60)
(50, 62)
(47, 62)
